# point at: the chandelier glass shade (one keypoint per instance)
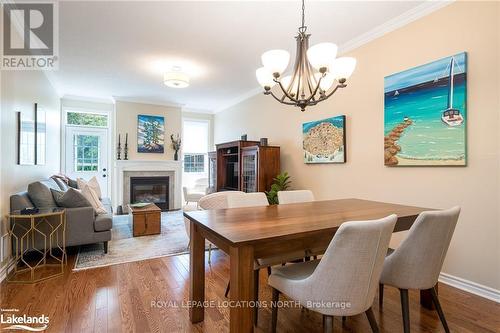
(316, 75)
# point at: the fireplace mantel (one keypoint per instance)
(169, 166)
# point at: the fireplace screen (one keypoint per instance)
(150, 189)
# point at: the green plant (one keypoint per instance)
(280, 183)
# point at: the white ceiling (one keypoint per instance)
(109, 49)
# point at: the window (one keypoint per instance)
(195, 145)
(87, 119)
(194, 162)
(86, 152)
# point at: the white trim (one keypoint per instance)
(399, 21)
(142, 101)
(88, 99)
(407, 17)
(471, 287)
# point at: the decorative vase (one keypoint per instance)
(176, 155)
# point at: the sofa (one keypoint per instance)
(83, 226)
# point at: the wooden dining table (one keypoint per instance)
(259, 232)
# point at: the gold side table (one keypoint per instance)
(39, 245)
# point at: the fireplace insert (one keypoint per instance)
(150, 189)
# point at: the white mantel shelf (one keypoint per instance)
(145, 165)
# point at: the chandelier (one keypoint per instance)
(315, 72)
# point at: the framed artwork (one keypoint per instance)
(25, 140)
(150, 134)
(324, 141)
(425, 114)
(40, 135)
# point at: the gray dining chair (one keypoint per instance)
(344, 281)
(295, 196)
(417, 262)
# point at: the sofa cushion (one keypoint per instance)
(103, 222)
(40, 194)
(70, 199)
(61, 183)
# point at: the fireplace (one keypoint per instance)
(150, 189)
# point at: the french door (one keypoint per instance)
(86, 154)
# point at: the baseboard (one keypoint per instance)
(471, 287)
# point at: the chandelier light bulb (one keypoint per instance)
(327, 82)
(275, 61)
(342, 68)
(264, 77)
(321, 55)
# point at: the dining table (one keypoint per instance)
(251, 233)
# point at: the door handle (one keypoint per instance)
(104, 176)
(104, 169)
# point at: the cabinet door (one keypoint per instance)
(212, 174)
(249, 171)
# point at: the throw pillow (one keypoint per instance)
(60, 182)
(72, 198)
(92, 197)
(81, 183)
(94, 184)
(40, 194)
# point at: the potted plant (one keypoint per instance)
(281, 183)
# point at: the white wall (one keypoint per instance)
(462, 26)
(20, 90)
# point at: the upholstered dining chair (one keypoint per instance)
(295, 196)
(344, 281)
(216, 200)
(259, 199)
(418, 260)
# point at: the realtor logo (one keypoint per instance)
(29, 36)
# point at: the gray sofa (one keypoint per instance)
(83, 226)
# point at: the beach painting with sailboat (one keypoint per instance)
(425, 114)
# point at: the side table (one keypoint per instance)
(38, 245)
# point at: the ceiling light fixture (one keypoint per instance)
(176, 78)
(314, 73)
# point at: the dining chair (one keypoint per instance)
(344, 281)
(216, 200)
(295, 196)
(259, 199)
(418, 260)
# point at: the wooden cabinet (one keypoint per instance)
(260, 164)
(244, 166)
(212, 172)
(145, 221)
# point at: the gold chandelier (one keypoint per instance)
(315, 72)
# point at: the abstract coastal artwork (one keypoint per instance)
(324, 141)
(425, 114)
(150, 134)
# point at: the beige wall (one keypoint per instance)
(465, 26)
(126, 122)
(19, 91)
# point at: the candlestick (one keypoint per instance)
(119, 149)
(125, 150)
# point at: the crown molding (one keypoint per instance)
(407, 17)
(145, 101)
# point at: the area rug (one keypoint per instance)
(123, 247)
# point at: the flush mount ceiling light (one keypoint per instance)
(176, 78)
(315, 72)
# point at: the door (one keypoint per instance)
(86, 155)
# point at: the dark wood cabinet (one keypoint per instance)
(212, 172)
(244, 166)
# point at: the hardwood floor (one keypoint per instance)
(148, 296)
